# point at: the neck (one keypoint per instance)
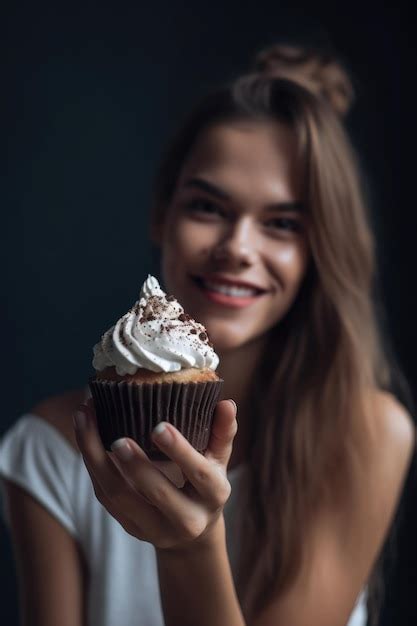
(238, 368)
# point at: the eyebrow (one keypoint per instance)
(214, 190)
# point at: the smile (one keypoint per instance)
(237, 292)
(227, 293)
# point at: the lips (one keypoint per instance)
(225, 281)
(228, 292)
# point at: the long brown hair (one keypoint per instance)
(325, 355)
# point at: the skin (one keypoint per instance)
(256, 165)
(254, 235)
(250, 236)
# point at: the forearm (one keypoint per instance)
(197, 586)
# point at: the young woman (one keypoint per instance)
(263, 236)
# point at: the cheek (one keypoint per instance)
(188, 241)
(291, 262)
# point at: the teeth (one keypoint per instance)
(237, 292)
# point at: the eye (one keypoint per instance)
(284, 224)
(202, 206)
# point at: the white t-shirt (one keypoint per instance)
(123, 575)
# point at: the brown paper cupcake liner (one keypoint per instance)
(126, 409)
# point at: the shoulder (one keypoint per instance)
(392, 431)
(347, 532)
(364, 508)
(42, 520)
(387, 447)
(58, 411)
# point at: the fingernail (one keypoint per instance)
(161, 433)
(234, 404)
(122, 449)
(80, 420)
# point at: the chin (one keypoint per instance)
(225, 338)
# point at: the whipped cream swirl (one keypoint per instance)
(157, 335)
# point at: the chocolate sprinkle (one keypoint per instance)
(203, 336)
(122, 339)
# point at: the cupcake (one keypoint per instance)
(155, 364)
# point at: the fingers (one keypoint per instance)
(96, 459)
(208, 478)
(186, 515)
(139, 491)
(110, 487)
(206, 474)
(223, 432)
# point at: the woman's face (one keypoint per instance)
(234, 242)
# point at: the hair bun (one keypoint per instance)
(315, 70)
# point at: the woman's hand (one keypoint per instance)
(142, 499)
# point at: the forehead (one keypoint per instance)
(249, 158)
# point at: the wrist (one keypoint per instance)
(213, 538)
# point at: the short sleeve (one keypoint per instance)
(36, 457)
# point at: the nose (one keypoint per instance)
(237, 249)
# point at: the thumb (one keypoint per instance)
(223, 432)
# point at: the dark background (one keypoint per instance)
(89, 97)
